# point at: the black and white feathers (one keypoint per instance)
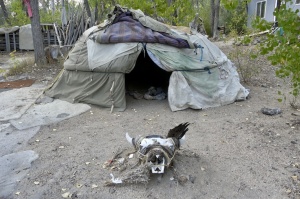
(177, 134)
(179, 131)
(158, 150)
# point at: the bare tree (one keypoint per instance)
(216, 20)
(96, 14)
(63, 14)
(52, 6)
(39, 53)
(4, 11)
(278, 4)
(87, 7)
(214, 17)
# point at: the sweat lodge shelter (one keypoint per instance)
(201, 76)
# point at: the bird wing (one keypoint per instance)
(178, 131)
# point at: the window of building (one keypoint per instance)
(261, 9)
(297, 2)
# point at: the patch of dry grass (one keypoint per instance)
(21, 66)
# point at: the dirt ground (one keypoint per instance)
(242, 152)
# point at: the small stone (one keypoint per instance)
(269, 111)
(78, 185)
(66, 195)
(182, 179)
(121, 160)
(192, 179)
(36, 182)
(94, 186)
(295, 178)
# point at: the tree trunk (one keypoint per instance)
(87, 8)
(52, 7)
(96, 14)
(212, 16)
(216, 20)
(5, 14)
(63, 14)
(39, 53)
(278, 5)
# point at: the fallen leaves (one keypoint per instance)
(295, 178)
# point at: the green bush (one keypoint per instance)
(180, 12)
(283, 47)
(18, 14)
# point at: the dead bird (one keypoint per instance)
(157, 150)
(155, 153)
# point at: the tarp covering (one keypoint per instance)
(201, 79)
(94, 73)
(8, 30)
(25, 38)
(103, 89)
(119, 57)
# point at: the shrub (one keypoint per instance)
(283, 47)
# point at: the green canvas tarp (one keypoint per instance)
(202, 76)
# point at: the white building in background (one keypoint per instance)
(265, 9)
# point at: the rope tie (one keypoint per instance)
(207, 69)
(112, 97)
(201, 51)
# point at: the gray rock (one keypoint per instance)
(269, 111)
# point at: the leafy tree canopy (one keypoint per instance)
(283, 46)
(179, 12)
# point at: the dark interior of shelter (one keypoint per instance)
(146, 74)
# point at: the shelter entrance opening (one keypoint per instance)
(147, 78)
